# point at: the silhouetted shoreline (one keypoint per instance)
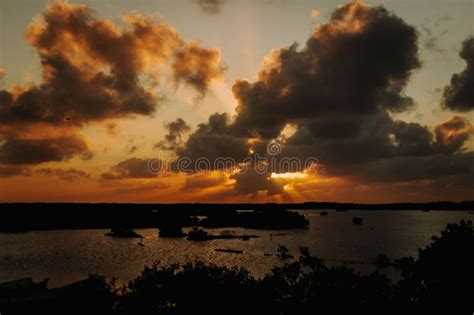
(23, 217)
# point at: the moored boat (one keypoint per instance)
(232, 251)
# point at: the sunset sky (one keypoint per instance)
(94, 94)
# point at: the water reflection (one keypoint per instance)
(67, 256)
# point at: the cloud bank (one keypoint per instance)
(93, 70)
(340, 92)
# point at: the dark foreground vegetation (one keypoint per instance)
(23, 217)
(440, 278)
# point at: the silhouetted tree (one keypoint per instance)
(443, 275)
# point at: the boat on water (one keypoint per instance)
(232, 251)
(323, 213)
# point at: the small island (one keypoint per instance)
(123, 233)
(198, 234)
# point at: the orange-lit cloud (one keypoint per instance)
(452, 134)
(93, 70)
(339, 92)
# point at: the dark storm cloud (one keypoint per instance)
(351, 140)
(409, 168)
(251, 182)
(131, 168)
(70, 174)
(459, 94)
(347, 139)
(173, 138)
(72, 97)
(210, 6)
(34, 151)
(94, 69)
(357, 64)
(213, 140)
(354, 67)
(339, 91)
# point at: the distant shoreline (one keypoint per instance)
(24, 217)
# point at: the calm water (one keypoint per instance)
(67, 256)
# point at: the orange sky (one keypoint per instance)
(106, 97)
